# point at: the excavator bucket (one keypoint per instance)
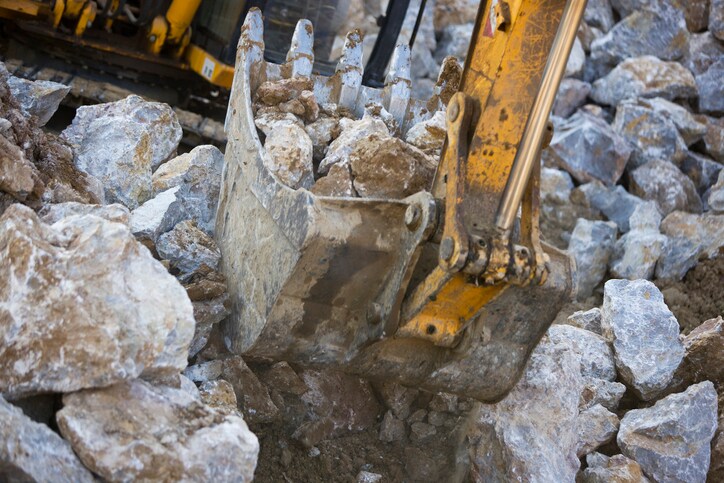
(323, 281)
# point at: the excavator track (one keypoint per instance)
(198, 129)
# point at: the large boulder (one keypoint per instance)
(588, 149)
(122, 143)
(711, 89)
(704, 50)
(664, 183)
(136, 431)
(689, 237)
(635, 254)
(671, 440)
(175, 172)
(85, 305)
(689, 127)
(595, 353)
(644, 333)
(615, 203)
(289, 156)
(591, 246)
(31, 451)
(645, 76)
(703, 171)
(533, 432)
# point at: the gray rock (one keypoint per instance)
(671, 439)
(178, 435)
(289, 156)
(38, 98)
(322, 132)
(454, 41)
(157, 215)
(690, 237)
(543, 403)
(576, 60)
(599, 391)
(626, 7)
(645, 335)
(420, 431)
(135, 319)
(615, 203)
(121, 143)
(398, 398)
(587, 34)
(646, 216)
(636, 252)
(711, 89)
(618, 468)
(651, 135)
(595, 353)
(716, 19)
(116, 213)
(31, 451)
(207, 314)
(178, 171)
(368, 477)
(187, 248)
(661, 32)
(589, 320)
(205, 371)
(596, 427)
(591, 246)
(391, 428)
(353, 133)
(428, 135)
(588, 149)
(599, 14)
(701, 170)
(690, 129)
(704, 50)
(645, 76)
(714, 138)
(571, 95)
(716, 195)
(664, 183)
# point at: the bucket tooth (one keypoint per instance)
(301, 54)
(349, 68)
(398, 83)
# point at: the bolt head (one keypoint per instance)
(453, 110)
(413, 214)
(447, 247)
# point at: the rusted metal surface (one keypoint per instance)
(319, 280)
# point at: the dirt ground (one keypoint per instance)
(699, 296)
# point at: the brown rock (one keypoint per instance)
(272, 93)
(337, 183)
(282, 377)
(390, 168)
(219, 395)
(253, 398)
(18, 176)
(704, 357)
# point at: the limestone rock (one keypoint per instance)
(18, 177)
(187, 248)
(289, 155)
(600, 391)
(589, 320)
(645, 76)
(322, 132)
(268, 118)
(38, 98)
(576, 60)
(617, 468)
(716, 196)
(704, 50)
(671, 439)
(272, 93)
(690, 129)
(390, 168)
(543, 403)
(135, 319)
(716, 19)
(588, 149)
(391, 428)
(428, 135)
(353, 133)
(696, 13)
(714, 138)
(635, 254)
(703, 171)
(338, 182)
(121, 143)
(659, 31)
(135, 431)
(711, 88)
(398, 398)
(208, 158)
(207, 314)
(689, 237)
(591, 245)
(31, 451)
(157, 215)
(665, 184)
(116, 213)
(599, 14)
(571, 95)
(218, 395)
(652, 135)
(596, 356)
(615, 203)
(644, 333)
(596, 427)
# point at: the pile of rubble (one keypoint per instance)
(110, 294)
